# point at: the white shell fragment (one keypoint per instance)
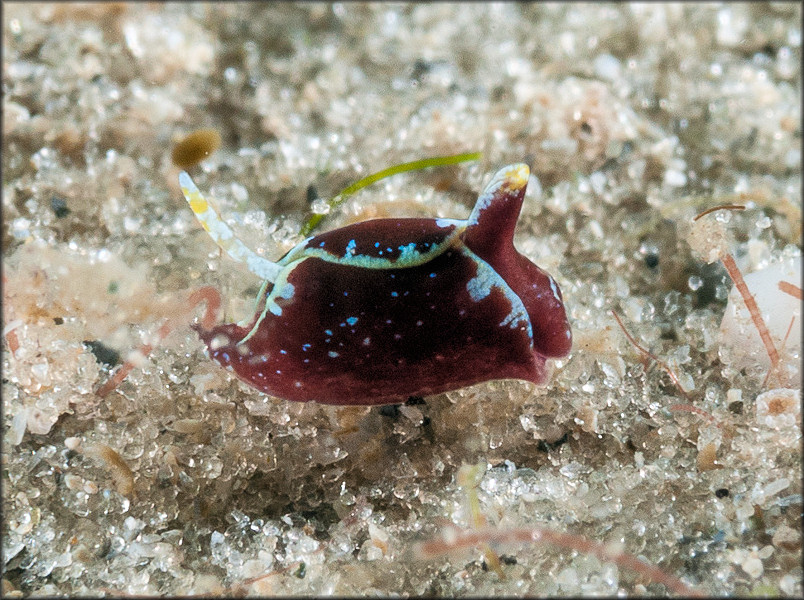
(740, 344)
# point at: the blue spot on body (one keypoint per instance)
(328, 331)
(305, 347)
(351, 320)
(321, 245)
(283, 352)
(432, 275)
(333, 354)
(394, 294)
(376, 244)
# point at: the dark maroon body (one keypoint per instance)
(351, 335)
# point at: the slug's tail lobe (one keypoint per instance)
(493, 220)
(490, 235)
(221, 233)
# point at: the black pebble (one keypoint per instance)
(390, 410)
(104, 354)
(59, 206)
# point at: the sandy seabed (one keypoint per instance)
(633, 118)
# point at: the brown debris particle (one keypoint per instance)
(707, 458)
(195, 147)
